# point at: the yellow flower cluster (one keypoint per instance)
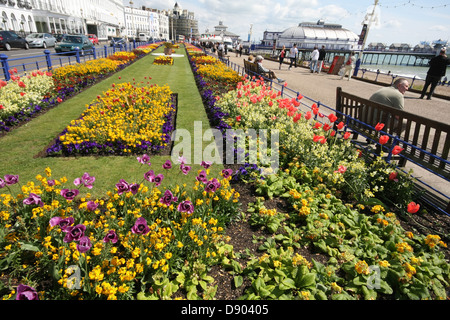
(125, 113)
(220, 72)
(362, 267)
(124, 56)
(163, 60)
(92, 67)
(434, 240)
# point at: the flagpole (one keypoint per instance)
(367, 30)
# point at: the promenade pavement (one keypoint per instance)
(322, 88)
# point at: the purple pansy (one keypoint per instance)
(149, 175)
(92, 205)
(145, 159)
(227, 173)
(185, 169)
(206, 164)
(85, 180)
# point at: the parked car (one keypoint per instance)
(10, 39)
(142, 37)
(93, 39)
(41, 40)
(117, 41)
(59, 36)
(69, 43)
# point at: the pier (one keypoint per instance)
(418, 59)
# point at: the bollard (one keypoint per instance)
(5, 66)
(94, 53)
(48, 59)
(77, 54)
(106, 51)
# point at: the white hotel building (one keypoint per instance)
(105, 18)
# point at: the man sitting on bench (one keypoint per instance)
(264, 71)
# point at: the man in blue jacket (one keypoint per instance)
(438, 67)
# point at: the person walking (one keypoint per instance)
(282, 56)
(437, 70)
(314, 60)
(322, 54)
(293, 55)
(349, 66)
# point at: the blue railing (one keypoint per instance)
(48, 61)
(306, 104)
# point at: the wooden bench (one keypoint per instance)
(251, 68)
(425, 134)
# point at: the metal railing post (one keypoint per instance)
(94, 53)
(48, 59)
(77, 54)
(5, 66)
(106, 51)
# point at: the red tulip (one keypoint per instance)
(384, 139)
(413, 207)
(347, 135)
(397, 150)
(238, 118)
(379, 126)
(332, 118)
(340, 125)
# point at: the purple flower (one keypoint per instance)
(158, 179)
(202, 176)
(206, 164)
(167, 165)
(92, 205)
(212, 185)
(51, 183)
(145, 159)
(111, 236)
(2, 183)
(84, 245)
(181, 159)
(149, 175)
(227, 173)
(63, 223)
(140, 226)
(26, 293)
(33, 199)
(74, 233)
(185, 169)
(168, 198)
(134, 188)
(69, 194)
(86, 180)
(11, 179)
(122, 186)
(186, 206)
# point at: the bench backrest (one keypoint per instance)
(251, 67)
(426, 134)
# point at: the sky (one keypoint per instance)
(399, 21)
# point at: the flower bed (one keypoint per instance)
(163, 60)
(142, 240)
(343, 213)
(124, 120)
(25, 97)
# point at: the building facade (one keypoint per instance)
(182, 23)
(105, 18)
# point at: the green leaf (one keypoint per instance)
(238, 281)
(307, 280)
(287, 284)
(28, 247)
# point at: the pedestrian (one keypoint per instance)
(238, 45)
(293, 55)
(392, 96)
(322, 54)
(314, 60)
(349, 66)
(438, 67)
(282, 56)
(264, 71)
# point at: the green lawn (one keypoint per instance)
(19, 148)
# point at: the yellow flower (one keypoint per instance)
(362, 267)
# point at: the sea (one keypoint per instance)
(400, 70)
